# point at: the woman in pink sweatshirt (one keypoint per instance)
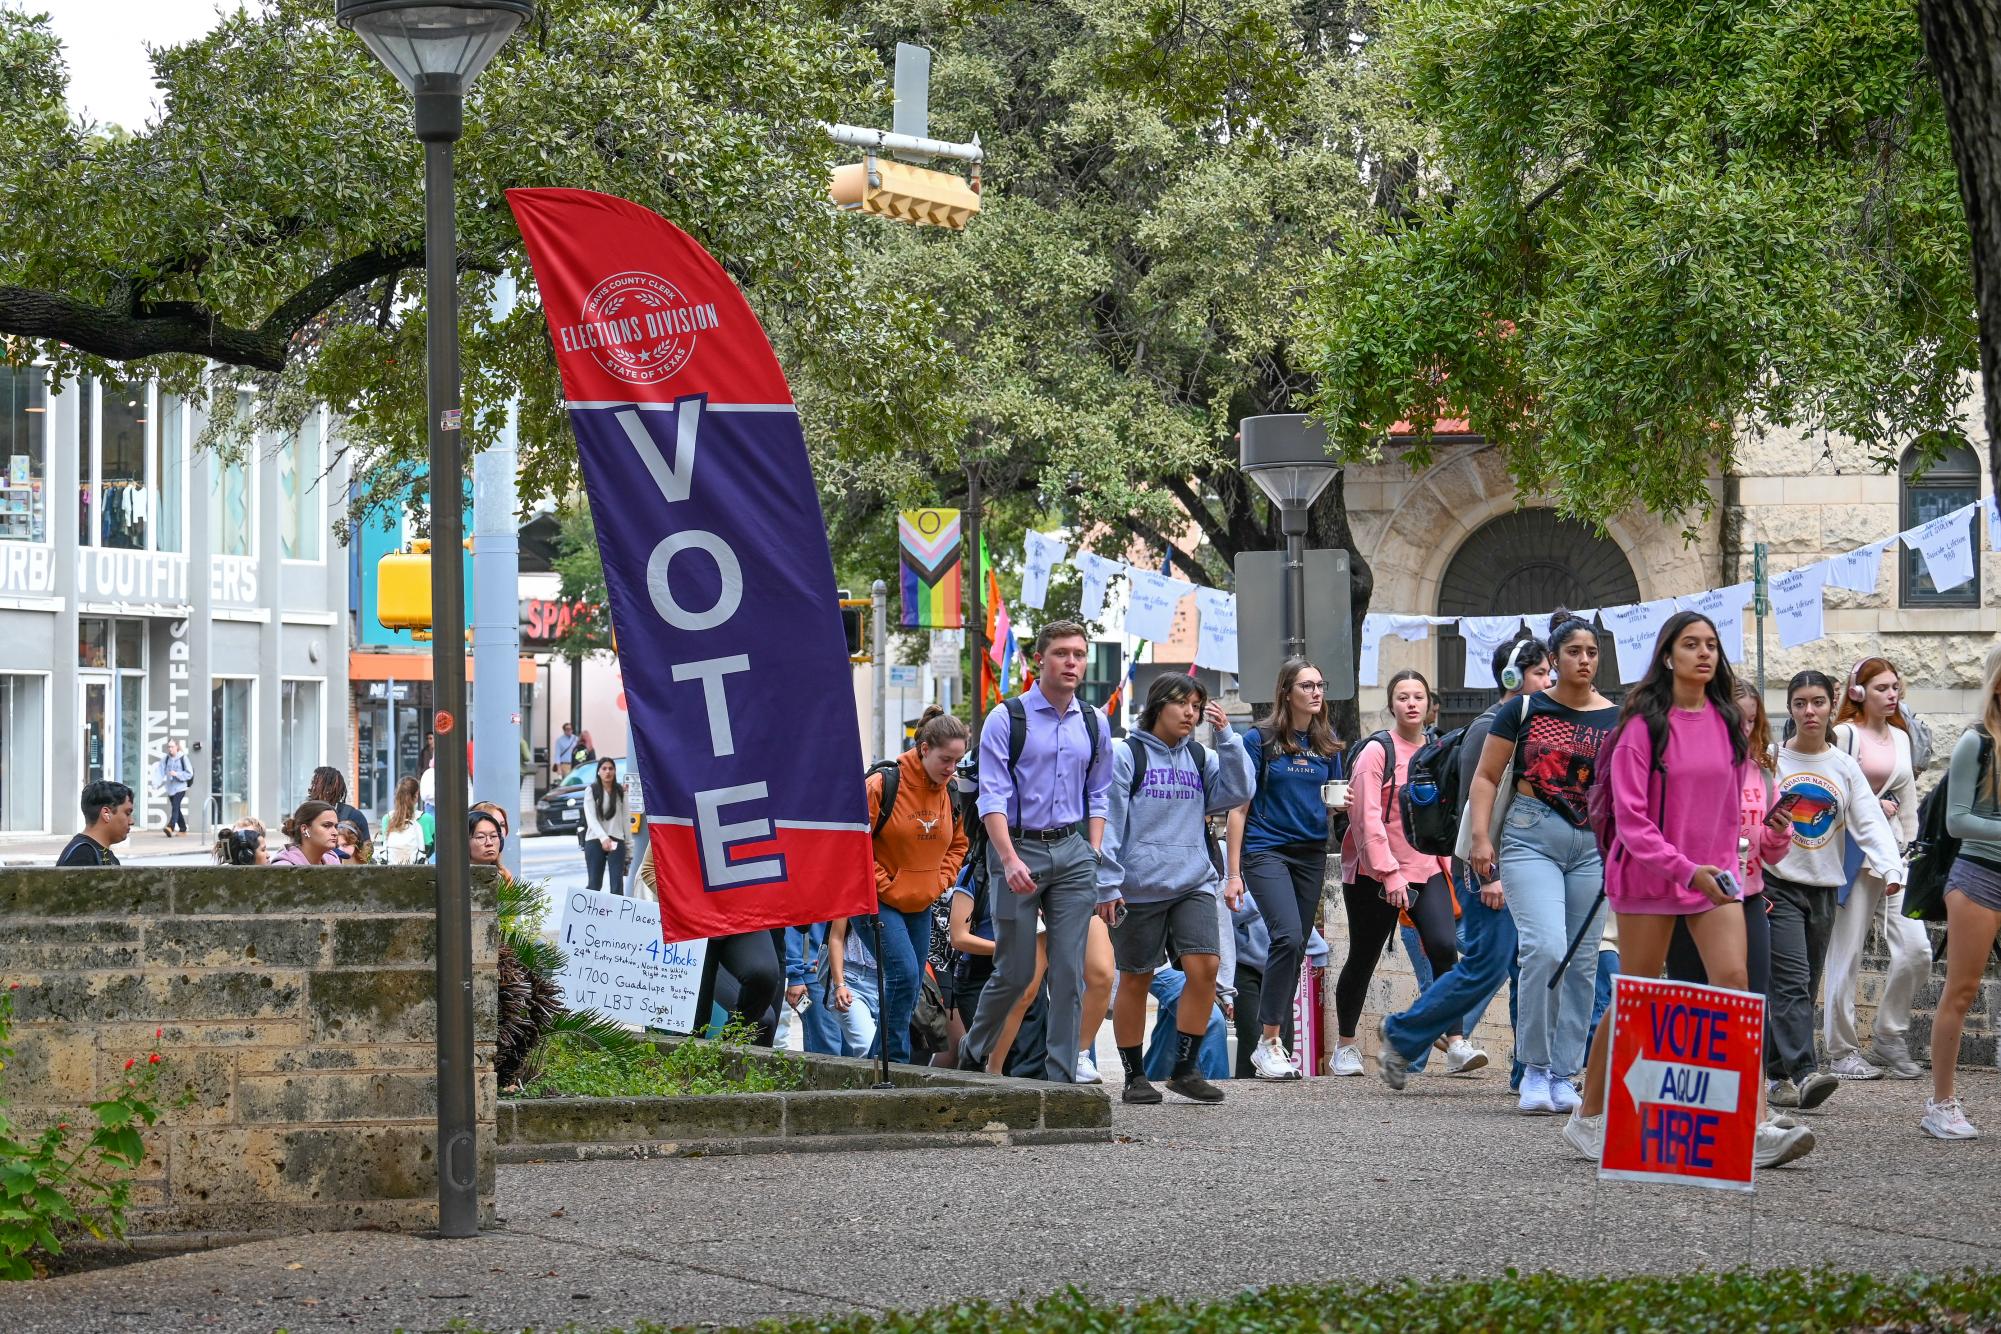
(1383, 875)
(1678, 772)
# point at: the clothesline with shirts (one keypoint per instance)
(1947, 546)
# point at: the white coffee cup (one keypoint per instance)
(1335, 794)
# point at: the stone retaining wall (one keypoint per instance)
(297, 1014)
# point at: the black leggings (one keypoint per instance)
(752, 960)
(1371, 923)
(1684, 960)
(1286, 883)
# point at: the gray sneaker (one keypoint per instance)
(1782, 1093)
(1816, 1089)
(1391, 1064)
(1894, 1056)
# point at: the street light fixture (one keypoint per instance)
(1286, 455)
(436, 50)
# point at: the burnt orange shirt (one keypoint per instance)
(918, 852)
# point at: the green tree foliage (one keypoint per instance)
(270, 217)
(1636, 230)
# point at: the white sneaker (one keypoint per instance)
(1563, 1095)
(1462, 1057)
(1893, 1055)
(1535, 1099)
(1947, 1120)
(1087, 1069)
(1269, 1061)
(1778, 1145)
(1347, 1059)
(1852, 1066)
(1586, 1134)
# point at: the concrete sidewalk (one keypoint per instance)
(1328, 1179)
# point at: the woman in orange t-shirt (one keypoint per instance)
(919, 845)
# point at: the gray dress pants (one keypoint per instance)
(1065, 898)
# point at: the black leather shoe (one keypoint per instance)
(1194, 1088)
(1138, 1090)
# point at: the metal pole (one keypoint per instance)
(496, 614)
(1292, 522)
(1761, 604)
(438, 120)
(878, 644)
(976, 630)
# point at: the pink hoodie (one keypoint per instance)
(1375, 845)
(1660, 843)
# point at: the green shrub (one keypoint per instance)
(62, 1182)
(576, 1065)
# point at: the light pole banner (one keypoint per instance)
(716, 561)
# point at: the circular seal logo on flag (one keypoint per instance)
(639, 327)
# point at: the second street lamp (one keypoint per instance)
(1286, 455)
(436, 50)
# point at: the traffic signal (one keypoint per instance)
(853, 610)
(898, 190)
(403, 587)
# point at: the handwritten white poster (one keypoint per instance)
(1097, 572)
(1154, 598)
(1725, 609)
(1946, 543)
(1484, 634)
(1216, 639)
(1634, 629)
(1797, 604)
(619, 967)
(1041, 556)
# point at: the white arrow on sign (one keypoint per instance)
(1681, 1085)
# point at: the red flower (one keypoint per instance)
(158, 1031)
(154, 1059)
(13, 986)
(131, 1061)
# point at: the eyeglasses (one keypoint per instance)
(483, 836)
(1315, 687)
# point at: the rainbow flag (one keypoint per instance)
(932, 560)
(1003, 648)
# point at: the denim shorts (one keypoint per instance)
(1981, 885)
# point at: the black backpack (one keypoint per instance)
(1017, 741)
(1935, 850)
(1429, 801)
(1138, 751)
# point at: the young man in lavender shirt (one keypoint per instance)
(1044, 814)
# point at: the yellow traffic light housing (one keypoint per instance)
(403, 587)
(898, 190)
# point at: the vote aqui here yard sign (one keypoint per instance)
(1681, 1103)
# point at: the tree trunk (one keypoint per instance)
(1963, 38)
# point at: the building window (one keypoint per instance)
(229, 763)
(299, 491)
(299, 736)
(23, 772)
(172, 470)
(1949, 484)
(124, 500)
(229, 496)
(1102, 674)
(24, 418)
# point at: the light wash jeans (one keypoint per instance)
(1551, 875)
(859, 1024)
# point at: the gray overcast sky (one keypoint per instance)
(104, 45)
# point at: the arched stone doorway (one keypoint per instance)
(1534, 561)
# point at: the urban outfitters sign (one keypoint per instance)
(108, 574)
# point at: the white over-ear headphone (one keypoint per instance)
(1512, 674)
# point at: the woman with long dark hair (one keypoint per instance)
(1382, 875)
(607, 828)
(1548, 861)
(1278, 843)
(1678, 765)
(1870, 727)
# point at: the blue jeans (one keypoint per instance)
(906, 943)
(1608, 968)
(1552, 876)
(859, 1029)
(1212, 1058)
(1413, 948)
(1456, 1000)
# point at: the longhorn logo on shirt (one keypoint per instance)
(926, 825)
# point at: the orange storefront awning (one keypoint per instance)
(413, 667)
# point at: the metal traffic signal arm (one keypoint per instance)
(902, 189)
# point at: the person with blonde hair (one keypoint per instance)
(403, 837)
(1972, 897)
(1870, 726)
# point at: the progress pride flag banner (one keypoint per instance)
(715, 556)
(1681, 1099)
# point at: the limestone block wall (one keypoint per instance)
(297, 1015)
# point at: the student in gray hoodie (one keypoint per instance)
(1157, 879)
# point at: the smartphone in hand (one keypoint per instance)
(1731, 884)
(1782, 810)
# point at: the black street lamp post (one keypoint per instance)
(1286, 455)
(436, 48)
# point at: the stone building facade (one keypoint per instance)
(1457, 538)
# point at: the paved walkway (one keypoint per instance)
(1331, 1179)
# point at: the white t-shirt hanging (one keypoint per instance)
(1797, 604)
(1484, 634)
(1216, 639)
(1042, 554)
(1097, 572)
(1859, 570)
(1634, 629)
(1154, 598)
(1725, 609)
(1946, 543)
(1993, 524)
(1379, 623)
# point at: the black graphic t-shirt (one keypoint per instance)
(1556, 750)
